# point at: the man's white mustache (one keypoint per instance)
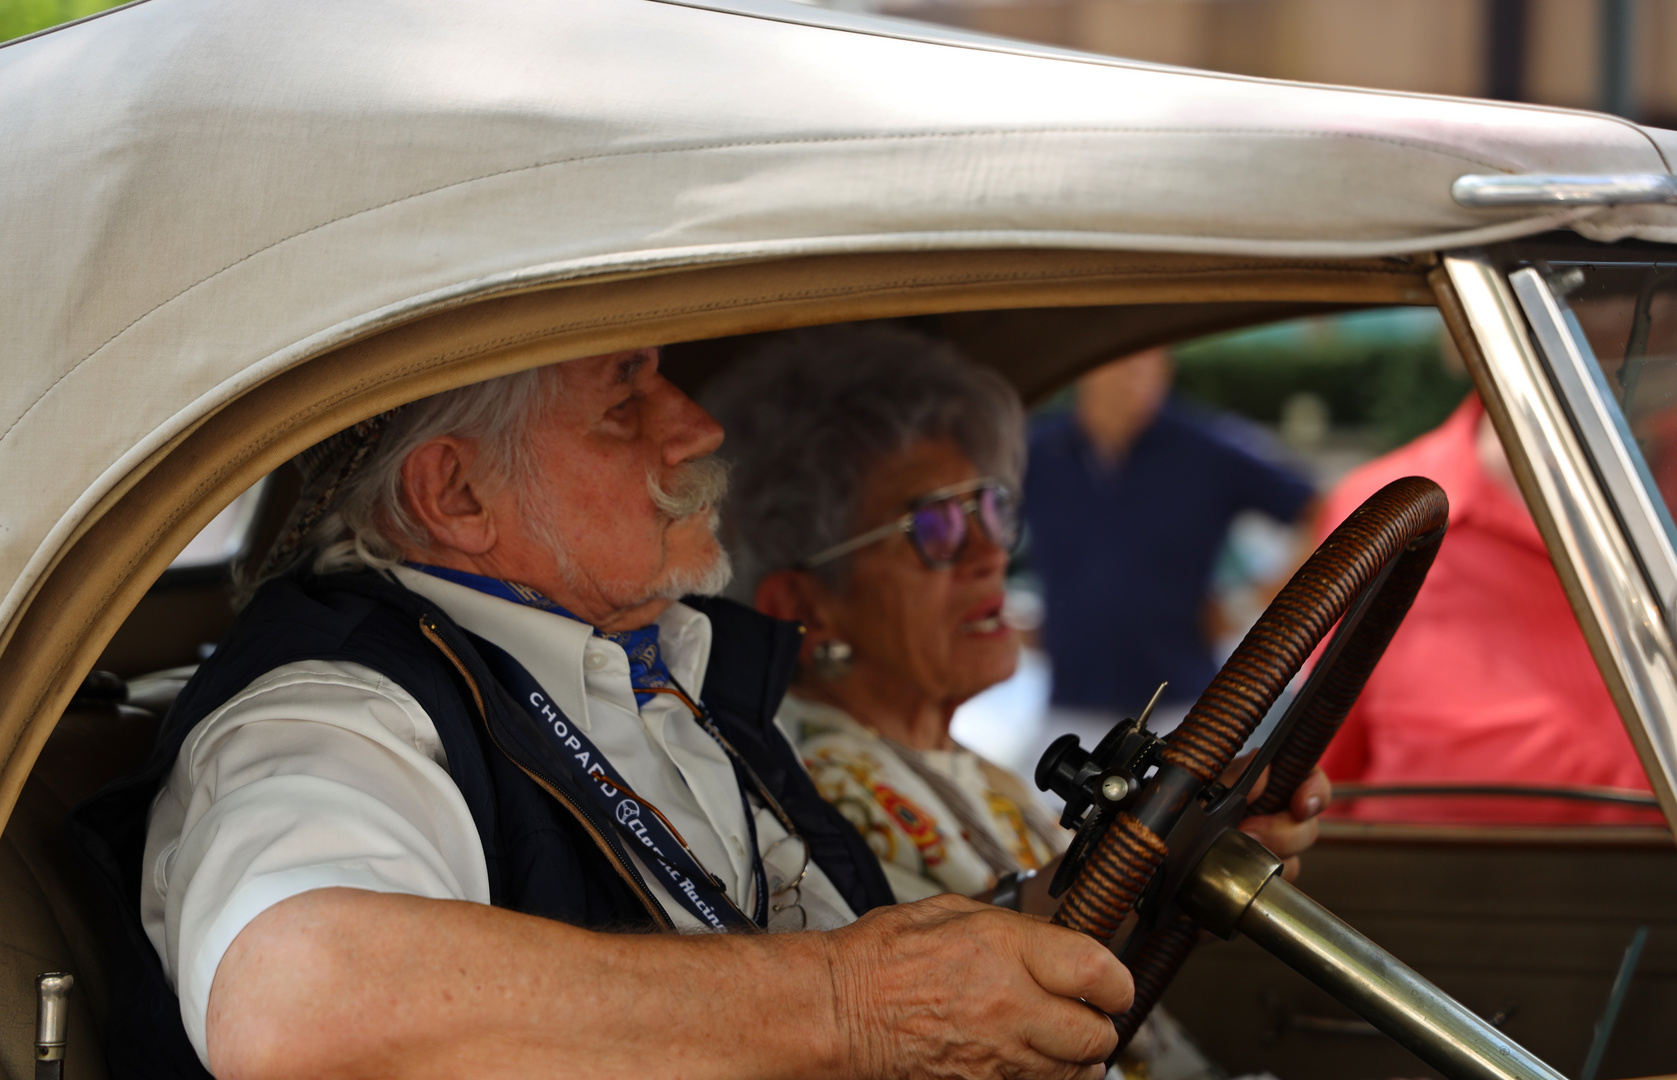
(695, 486)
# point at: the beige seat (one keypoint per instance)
(52, 922)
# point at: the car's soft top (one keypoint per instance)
(197, 195)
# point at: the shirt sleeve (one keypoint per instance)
(317, 775)
(1274, 489)
(1258, 481)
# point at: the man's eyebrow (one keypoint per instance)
(629, 368)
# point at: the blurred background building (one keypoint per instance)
(1616, 55)
(1619, 56)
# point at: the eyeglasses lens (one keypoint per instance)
(998, 512)
(940, 529)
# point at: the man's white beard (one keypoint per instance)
(698, 487)
(700, 580)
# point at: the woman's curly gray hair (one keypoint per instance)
(811, 413)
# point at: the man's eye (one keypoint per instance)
(624, 404)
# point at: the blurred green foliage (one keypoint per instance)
(19, 17)
(1383, 373)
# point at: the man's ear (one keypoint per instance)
(437, 486)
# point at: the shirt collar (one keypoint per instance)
(551, 644)
(685, 637)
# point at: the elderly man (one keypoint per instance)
(466, 728)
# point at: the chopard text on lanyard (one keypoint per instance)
(641, 825)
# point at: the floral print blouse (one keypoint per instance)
(939, 820)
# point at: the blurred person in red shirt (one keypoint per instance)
(1489, 679)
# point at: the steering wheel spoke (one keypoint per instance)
(1237, 887)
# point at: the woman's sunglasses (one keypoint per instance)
(936, 523)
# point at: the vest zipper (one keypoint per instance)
(625, 869)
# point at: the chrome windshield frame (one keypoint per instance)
(1618, 609)
(1573, 369)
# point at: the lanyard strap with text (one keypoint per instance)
(694, 887)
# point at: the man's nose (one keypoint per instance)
(688, 431)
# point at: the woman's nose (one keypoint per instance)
(983, 555)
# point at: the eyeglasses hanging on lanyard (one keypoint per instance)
(785, 863)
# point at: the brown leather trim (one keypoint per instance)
(431, 635)
(134, 532)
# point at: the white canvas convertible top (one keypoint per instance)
(196, 194)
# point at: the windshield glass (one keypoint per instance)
(1487, 707)
(1624, 318)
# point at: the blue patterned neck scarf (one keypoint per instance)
(648, 674)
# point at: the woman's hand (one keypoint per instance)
(1289, 833)
(1286, 834)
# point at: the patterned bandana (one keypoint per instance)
(327, 467)
(648, 673)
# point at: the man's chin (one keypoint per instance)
(708, 578)
(695, 562)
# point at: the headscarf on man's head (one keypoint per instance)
(327, 467)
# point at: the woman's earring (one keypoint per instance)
(831, 659)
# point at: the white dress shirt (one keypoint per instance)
(321, 775)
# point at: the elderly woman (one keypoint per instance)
(875, 500)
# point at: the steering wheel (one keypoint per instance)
(1147, 809)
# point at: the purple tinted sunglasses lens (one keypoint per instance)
(940, 529)
(999, 514)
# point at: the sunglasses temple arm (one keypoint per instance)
(838, 551)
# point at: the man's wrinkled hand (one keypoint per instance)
(951, 987)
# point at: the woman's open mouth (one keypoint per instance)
(985, 620)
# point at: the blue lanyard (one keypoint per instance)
(696, 888)
(640, 824)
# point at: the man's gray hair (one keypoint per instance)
(811, 413)
(368, 523)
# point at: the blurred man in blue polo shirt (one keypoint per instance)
(1129, 497)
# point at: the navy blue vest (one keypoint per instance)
(545, 854)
